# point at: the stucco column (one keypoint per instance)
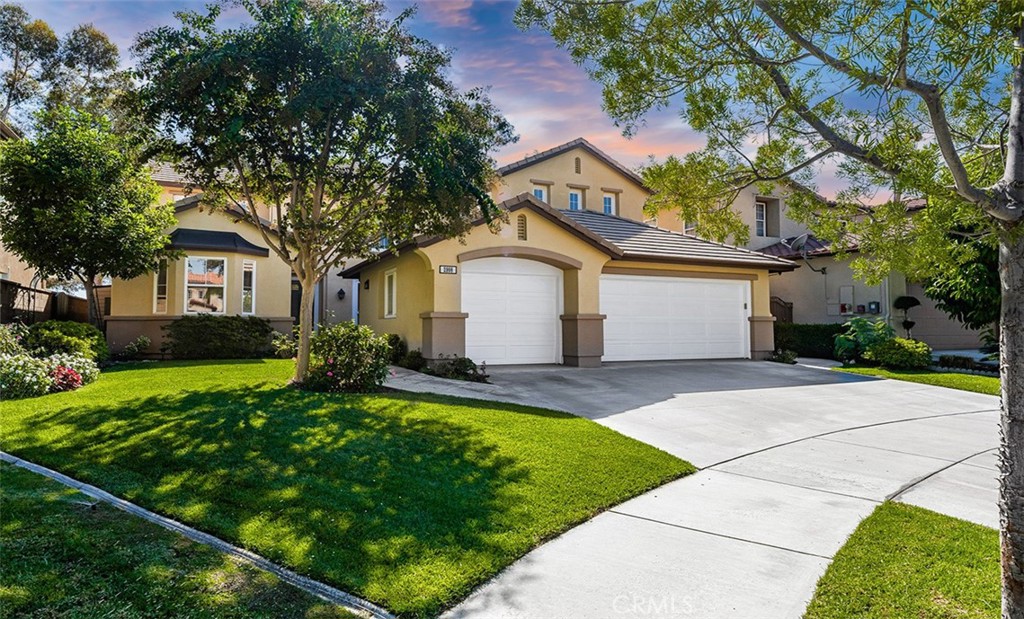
(762, 337)
(582, 339)
(444, 333)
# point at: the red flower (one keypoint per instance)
(65, 379)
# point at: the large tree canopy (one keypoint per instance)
(922, 98)
(337, 119)
(76, 203)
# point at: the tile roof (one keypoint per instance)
(163, 172)
(562, 148)
(622, 239)
(813, 247)
(640, 241)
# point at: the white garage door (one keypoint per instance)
(651, 318)
(513, 308)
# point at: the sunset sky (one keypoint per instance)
(541, 91)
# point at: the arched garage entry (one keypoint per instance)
(514, 306)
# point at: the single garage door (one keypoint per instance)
(650, 318)
(513, 308)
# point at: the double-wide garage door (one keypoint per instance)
(655, 318)
(514, 307)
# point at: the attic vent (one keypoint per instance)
(521, 227)
(579, 166)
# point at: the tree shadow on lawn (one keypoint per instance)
(370, 493)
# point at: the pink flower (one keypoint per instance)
(331, 361)
(330, 373)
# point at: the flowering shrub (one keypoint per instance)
(347, 357)
(55, 337)
(12, 339)
(22, 376)
(82, 366)
(64, 379)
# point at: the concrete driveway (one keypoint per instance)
(791, 458)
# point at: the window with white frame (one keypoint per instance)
(540, 194)
(574, 200)
(248, 287)
(205, 283)
(160, 289)
(390, 293)
(690, 227)
(609, 204)
(760, 216)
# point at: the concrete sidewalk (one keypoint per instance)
(793, 458)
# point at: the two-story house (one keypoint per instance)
(572, 275)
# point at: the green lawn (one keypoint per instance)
(65, 556)
(964, 382)
(908, 562)
(407, 500)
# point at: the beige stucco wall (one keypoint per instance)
(421, 289)
(743, 205)
(12, 268)
(594, 173)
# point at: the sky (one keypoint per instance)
(547, 98)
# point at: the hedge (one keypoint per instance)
(807, 340)
(218, 337)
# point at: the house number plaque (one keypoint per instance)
(448, 269)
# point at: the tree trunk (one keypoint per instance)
(1011, 452)
(305, 329)
(90, 295)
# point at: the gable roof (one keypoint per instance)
(568, 146)
(196, 201)
(7, 132)
(163, 172)
(812, 248)
(622, 239)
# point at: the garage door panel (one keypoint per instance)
(660, 318)
(513, 308)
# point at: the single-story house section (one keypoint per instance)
(227, 269)
(574, 287)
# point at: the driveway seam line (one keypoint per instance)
(722, 535)
(323, 591)
(792, 485)
(850, 429)
(909, 486)
(895, 451)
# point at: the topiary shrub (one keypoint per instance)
(817, 341)
(347, 357)
(900, 354)
(218, 337)
(399, 349)
(860, 335)
(54, 337)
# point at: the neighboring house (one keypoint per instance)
(12, 268)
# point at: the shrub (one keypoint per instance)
(135, 348)
(285, 345)
(960, 362)
(860, 335)
(12, 338)
(456, 368)
(218, 337)
(900, 354)
(399, 349)
(64, 379)
(816, 341)
(347, 357)
(413, 360)
(83, 366)
(54, 337)
(23, 376)
(783, 356)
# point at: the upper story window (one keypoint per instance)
(205, 283)
(609, 204)
(390, 294)
(540, 194)
(578, 165)
(574, 201)
(690, 227)
(766, 217)
(248, 287)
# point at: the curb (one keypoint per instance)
(327, 593)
